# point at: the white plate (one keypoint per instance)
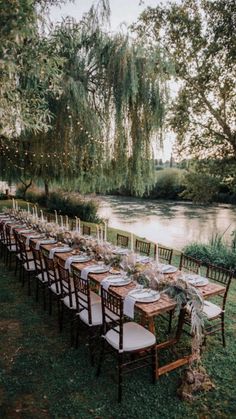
(145, 296)
(118, 280)
(168, 269)
(121, 251)
(143, 259)
(80, 259)
(99, 269)
(197, 280)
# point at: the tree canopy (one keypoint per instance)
(200, 39)
(106, 108)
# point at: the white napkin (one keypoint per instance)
(26, 230)
(143, 259)
(129, 304)
(48, 241)
(35, 236)
(58, 250)
(85, 271)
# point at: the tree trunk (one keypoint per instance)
(26, 186)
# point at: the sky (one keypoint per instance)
(122, 12)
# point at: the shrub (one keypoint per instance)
(200, 187)
(169, 184)
(65, 203)
(73, 205)
(216, 252)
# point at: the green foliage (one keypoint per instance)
(64, 203)
(216, 252)
(200, 39)
(169, 184)
(200, 187)
(72, 205)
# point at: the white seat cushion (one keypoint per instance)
(11, 248)
(56, 289)
(43, 277)
(96, 313)
(30, 266)
(211, 310)
(66, 301)
(135, 337)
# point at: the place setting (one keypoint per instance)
(196, 280)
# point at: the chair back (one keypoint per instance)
(189, 264)
(86, 230)
(164, 253)
(39, 262)
(122, 241)
(23, 253)
(143, 247)
(222, 276)
(65, 282)
(112, 314)
(82, 295)
(10, 241)
(52, 273)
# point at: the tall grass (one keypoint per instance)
(216, 252)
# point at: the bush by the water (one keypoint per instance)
(65, 203)
(216, 252)
(169, 184)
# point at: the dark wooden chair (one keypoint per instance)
(86, 230)
(10, 245)
(54, 286)
(215, 313)
(164, 254)
(142, 247)
(128, 340)
(41, 274)
(89, 310)
(28, 268)
(122, 241)
(187, 263)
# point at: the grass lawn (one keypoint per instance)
(41, 376)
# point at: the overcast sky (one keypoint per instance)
(122, 11)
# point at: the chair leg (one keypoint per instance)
(120, 377)
(154, 365)
(223, 329)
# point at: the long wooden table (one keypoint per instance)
(148, 310)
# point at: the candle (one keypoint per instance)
(33, 211)
(157, 256)
(79, 224)
(36, 211)
(61, 217)
(101, 229)
(132, 242)
(97, 233)
(16, 206)
(76, 224)
(13, 203)
(67, 222)
(56, 219)
(41, 212)
(28, 208)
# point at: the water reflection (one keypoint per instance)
(172, 223)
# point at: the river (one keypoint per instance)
(173, 224)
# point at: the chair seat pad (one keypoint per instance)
(135, 337)
(211, 310)
(43, 277)
(96, 314)
(12, 248)
(30, 266)
(70, 304)
(56, 288)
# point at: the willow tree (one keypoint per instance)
(108, 114)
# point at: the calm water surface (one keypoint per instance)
(171, 223)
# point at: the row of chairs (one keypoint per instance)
(101, 315)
